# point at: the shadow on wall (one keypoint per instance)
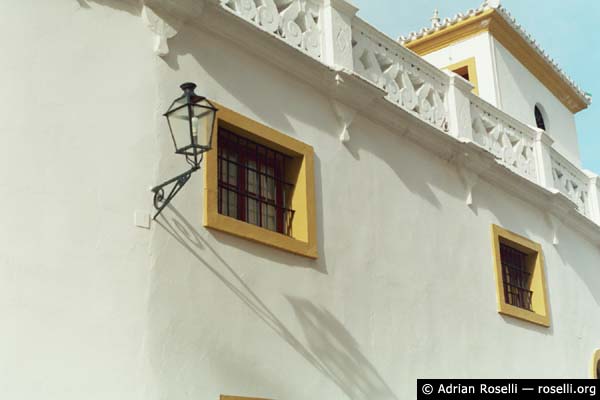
(133, 7)
(330, 348)
(280, 256)
(338, 353)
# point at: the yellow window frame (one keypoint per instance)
(595, 367)
(471, 67)
(304, 227)
(535, 263)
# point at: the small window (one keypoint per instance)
(516, 277)
(463, 72)
(596, 365)
(253, 184)
(259, 185)
(539, 117)
(521, 282)
(467, 70)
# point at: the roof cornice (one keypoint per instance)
(504, 28)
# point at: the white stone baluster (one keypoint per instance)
(337, 26)
(459, 107)
(543, 146)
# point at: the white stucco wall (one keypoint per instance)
(477, 46)
(520, 91)
(97, 308)
(77, 157)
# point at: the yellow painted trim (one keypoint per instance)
(540, 314)
(595, 365)
(492, 22)
(471, 67)
(304, 227)
(452, 34)
(224, 397)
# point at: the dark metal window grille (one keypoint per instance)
(598, 370)
(252, 183)
(516, 277)
(539, 118)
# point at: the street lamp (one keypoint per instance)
(191, 120)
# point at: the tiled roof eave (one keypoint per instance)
(505, 14)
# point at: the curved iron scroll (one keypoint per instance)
(160, 200)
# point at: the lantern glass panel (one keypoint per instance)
(202, 124)
(179, 123)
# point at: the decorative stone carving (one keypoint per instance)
(337, 18)
(470, 180)
(345, 116)
(555, 225)
(571, 182)
(513, 146)
(297, 21)
(161, 29)
(409, 82)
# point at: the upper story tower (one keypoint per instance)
(508, 69)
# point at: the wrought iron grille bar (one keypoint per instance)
(259, 187)
(516, 277)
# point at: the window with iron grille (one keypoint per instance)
(253, 185)
(520, 277)
(516, 277)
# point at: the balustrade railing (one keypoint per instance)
(571, 181)
(327, 30)
(409, 81)
(297, 22)
(506, 138)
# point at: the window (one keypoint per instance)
(223, 397)
(252, 183)
(596, 365)
(520, 278)
(467, 70)
(539, 117)
(259, 185)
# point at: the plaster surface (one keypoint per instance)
(96, 307)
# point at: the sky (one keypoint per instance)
(569, 31)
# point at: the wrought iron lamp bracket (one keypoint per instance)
(160, 200)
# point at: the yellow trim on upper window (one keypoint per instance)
(595, 368)
(535, 263)
(471, 67)
(304, 227)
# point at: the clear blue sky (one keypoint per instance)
(568, 30)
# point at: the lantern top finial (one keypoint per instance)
(188, 87)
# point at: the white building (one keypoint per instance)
(435, 232)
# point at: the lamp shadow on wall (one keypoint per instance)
(330, 348)
(338, 353)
